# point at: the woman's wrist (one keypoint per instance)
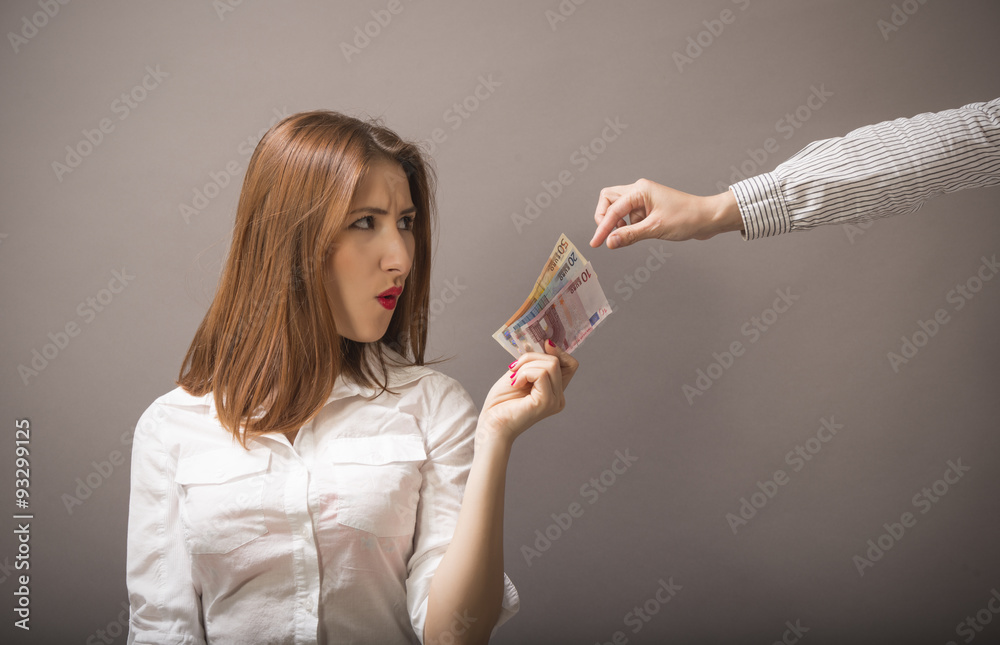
(493, 440)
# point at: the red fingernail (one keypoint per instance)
(513, 376)
(551, 344)
(511, 366)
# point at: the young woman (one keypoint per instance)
(311, 481)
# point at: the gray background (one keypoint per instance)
(858, 292)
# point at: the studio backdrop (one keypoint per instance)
(791, 439)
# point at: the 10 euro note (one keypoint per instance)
(567, 319)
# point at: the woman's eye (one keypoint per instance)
(364, 223)
(405, 223)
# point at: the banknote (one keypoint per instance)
(568, 271)
(569, 316)
(571, 268)
(565, 304)
(562, 249)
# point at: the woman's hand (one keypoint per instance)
(531, 390)
(470, 581)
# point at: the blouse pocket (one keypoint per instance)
(377, 482)
(221, 498)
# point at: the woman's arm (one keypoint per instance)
(465, 595)
(164, 604)
(467, 590)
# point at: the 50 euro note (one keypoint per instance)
(568, 318)
(557, 257)
(571, 268)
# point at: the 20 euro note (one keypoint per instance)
(563, 249)
(571, 267)
(571, 315)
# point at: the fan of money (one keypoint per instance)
(565, 305)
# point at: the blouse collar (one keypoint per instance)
(399, 374)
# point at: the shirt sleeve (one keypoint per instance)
(449, 420)
(875, 171)
(165, 608)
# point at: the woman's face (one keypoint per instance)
(367, 265)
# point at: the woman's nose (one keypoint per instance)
(396, 256)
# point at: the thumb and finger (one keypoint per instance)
(529, 367)
(612, 227)
(529, 371)
(567, 364)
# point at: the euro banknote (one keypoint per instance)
(568, 318)
(565, 305)
(558, 255)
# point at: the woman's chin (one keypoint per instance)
(369, 335)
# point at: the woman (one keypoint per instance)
(305, 482)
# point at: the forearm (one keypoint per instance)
(883, 169)
(467, 590)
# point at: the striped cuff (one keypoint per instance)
(762, 207)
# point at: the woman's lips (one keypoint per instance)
(388, 297)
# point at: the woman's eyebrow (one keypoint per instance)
(381, 211)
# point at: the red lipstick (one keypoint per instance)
(388, 297)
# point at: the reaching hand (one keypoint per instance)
(656, 211)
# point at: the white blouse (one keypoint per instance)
(332, 539)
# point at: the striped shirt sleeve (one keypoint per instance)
(875, 171)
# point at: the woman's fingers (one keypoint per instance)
(556, 367)
(567, 364)
(536, 383)
(531, 390)
(531, 371)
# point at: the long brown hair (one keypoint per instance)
(268, 347)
